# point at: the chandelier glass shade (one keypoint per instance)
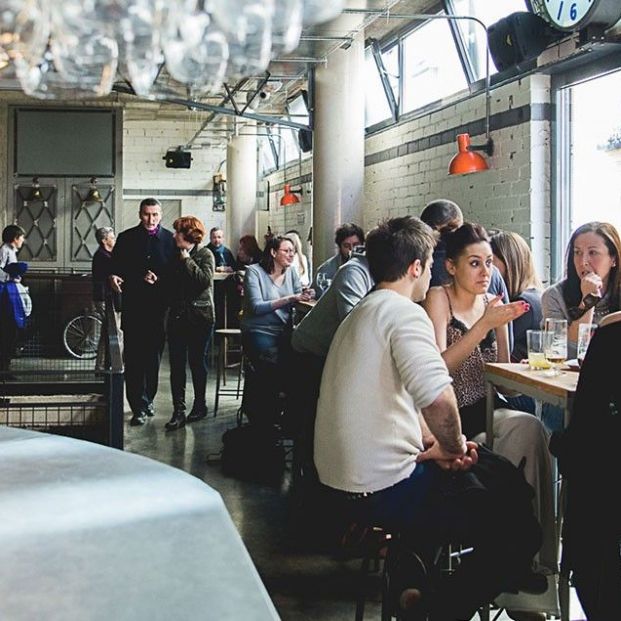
(78, 48)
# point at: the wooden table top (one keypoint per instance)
(306, 305)
(561, 385)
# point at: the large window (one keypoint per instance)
(376, 104)
(595, 180)
(435, 58)
(432, 69)
(589, 157)
(473, 35)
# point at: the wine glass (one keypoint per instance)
(555, 347)
(321, 281)
(585, 333)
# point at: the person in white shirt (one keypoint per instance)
(388, 429)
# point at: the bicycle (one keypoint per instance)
(81, 335)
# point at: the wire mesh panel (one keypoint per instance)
(64, 329)
(76, 416)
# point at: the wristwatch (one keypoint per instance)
(588, 302)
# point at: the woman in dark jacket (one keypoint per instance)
(588, 454)
(191, 318)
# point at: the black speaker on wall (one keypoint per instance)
(305, 140)
(519, 37)
(178, 158)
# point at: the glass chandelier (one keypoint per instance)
(62, 49)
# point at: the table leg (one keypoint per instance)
(563, 596)
(490, 393)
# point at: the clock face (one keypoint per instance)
(575, 14)
(566, 14)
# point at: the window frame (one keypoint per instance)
(561, 160)
(474, 86)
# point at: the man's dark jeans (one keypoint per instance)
(429, 510)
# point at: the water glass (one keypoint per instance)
(585, 333)
(536, 351)
(555, 342)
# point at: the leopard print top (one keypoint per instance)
(468, 380)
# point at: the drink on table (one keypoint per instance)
(536, 353)
(585, 332)
(555, 342)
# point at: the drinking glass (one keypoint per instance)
(536, 351)
(585, 333)
(555, 345)
(321, 281)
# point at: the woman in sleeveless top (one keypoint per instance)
(471, 330)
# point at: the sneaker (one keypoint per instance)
(150, 410)
(137, 419)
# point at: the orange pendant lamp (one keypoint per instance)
(467, 159)
(289, 197)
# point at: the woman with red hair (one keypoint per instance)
(191, 318)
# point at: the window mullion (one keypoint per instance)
(460, 43)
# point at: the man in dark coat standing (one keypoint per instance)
(140, 270)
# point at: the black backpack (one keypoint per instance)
(253, 453)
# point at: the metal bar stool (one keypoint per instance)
(223, 334)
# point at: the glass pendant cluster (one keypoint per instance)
(74, 48)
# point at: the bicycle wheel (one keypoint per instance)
(81, 336)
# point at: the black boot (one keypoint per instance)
(197, 412)
(177, 421)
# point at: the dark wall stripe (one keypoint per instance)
(164, 192)
(307, 178)
(501, 120)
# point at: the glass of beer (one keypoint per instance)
(555, 343)
(536, 353)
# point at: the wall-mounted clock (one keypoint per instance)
(577, 14)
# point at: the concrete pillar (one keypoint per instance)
(338, 146)
(241, 184)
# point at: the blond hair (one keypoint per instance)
(517, 257)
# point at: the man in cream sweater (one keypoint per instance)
(388, 427)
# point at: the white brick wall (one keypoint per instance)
(145, 144)
(514, 194)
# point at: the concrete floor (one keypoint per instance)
(304, 584)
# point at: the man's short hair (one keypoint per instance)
(442, 215)
(149, 202)
(213, 229)
(11, 233)
(347, 230)
(394, 244)
(102, 233)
